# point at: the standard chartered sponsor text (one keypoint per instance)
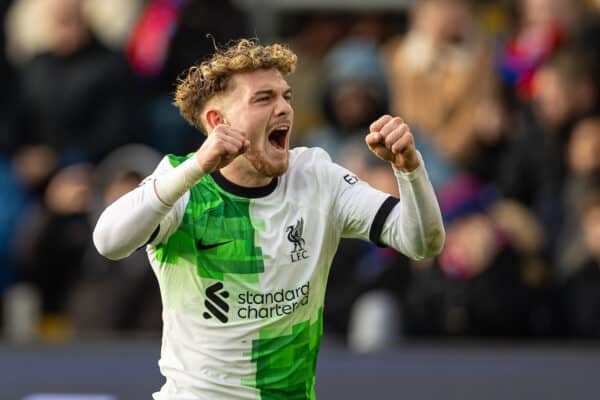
(280, 302)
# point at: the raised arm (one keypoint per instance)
(414, 226)
(154, 210)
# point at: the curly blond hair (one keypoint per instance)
(203, 81)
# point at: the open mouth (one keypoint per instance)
(278, 136)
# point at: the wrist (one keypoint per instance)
(408, 164)
(198, 161)
(172, 185)
(405, 167)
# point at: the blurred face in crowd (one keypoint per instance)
(492, 120)
(544, 12)
(259, 103)
(558, 98)
(552, 96)
(68, 31)
(458, 19)
(584, 147)
(353, 105)
(442, 20)
(475, 238)
(68, 191)
(538, 11)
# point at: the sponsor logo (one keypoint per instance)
(202, 246)
(350, 179)
(215, 302)
(294, 235)
(252, 305)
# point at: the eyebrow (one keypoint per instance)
(270, 92)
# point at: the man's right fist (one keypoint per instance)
(221, 146)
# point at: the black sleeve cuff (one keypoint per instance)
(382, 214)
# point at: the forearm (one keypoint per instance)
(170, 186)
(415, 226)
(129, 222)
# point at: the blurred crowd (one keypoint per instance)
(503, 98)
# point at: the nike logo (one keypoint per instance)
(201, 246)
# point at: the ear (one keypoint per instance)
(213, 118)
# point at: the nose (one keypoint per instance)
(283, 106)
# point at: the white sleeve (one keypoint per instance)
(414, 227)
(355, 203)
(138, 218)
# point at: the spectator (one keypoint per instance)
(26, 30)
(28, 25)
(565, 90)
(116, 296)
(12, 193)
(354, 93)
(584, 173)
(543, 26)
(477, 285)
(439, 72)
(76, 95)
(112, 20)
(169, 36)
(50, 243)
(493, 134)
(581, 299)
(9, 137)
(316, 37)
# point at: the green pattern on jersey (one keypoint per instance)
(211, 217)
(286, 364)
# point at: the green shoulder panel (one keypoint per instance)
(216, 234)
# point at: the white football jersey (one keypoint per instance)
(242, 275)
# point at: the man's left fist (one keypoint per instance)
(390, 139)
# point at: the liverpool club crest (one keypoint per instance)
(294, 235)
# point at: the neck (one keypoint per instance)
(241, 172)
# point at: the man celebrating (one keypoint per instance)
(241, 233)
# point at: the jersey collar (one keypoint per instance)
(242, 191)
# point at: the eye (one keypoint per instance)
(262, 99)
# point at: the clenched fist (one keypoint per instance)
(221, 147)
(390, 139)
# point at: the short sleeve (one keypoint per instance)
(358, 209)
